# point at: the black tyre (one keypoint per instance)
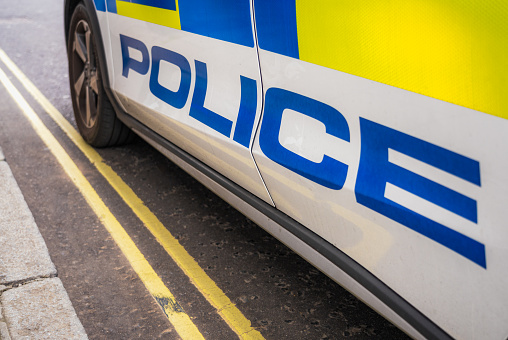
(94, 114)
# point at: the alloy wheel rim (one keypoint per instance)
(85, 80)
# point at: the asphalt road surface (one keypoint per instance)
(277, 291)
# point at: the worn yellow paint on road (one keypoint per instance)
(176, 315)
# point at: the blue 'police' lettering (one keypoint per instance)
(247, 111)
(140, 67)
(375, 171)
(330, 172)
(199, 111)
(176, 99)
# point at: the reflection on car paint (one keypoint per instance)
(375, 170)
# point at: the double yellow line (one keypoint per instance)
(175, 313)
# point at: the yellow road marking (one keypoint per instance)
(176, 315)
(226, 309)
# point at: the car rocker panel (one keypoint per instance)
(360, 129)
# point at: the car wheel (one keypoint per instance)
(94, 114)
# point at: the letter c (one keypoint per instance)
(329, 172)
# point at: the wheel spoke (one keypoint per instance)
(86, 81)
(93, 82)
(78, 85)
(88, 100)
(79, 47)
(88, 35)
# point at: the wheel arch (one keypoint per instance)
(69, 7)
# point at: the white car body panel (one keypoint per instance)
(467, 299)
(300, 247)
(453, 291)
(225, 63)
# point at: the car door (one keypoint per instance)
(189, 71)
(381, 133)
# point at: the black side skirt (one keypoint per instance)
(399, 305)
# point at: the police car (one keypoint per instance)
(369, 137)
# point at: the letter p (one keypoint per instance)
(129, 63)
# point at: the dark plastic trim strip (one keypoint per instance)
(399, 305)
(384, 293)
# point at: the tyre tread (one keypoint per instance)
(108, 130)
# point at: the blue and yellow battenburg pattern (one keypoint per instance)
(226, 20)
(452, 50)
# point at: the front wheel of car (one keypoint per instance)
(94, 114)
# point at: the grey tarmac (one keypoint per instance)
(33, 301)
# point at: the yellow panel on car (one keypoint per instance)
(155, 15)
(453, 50)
